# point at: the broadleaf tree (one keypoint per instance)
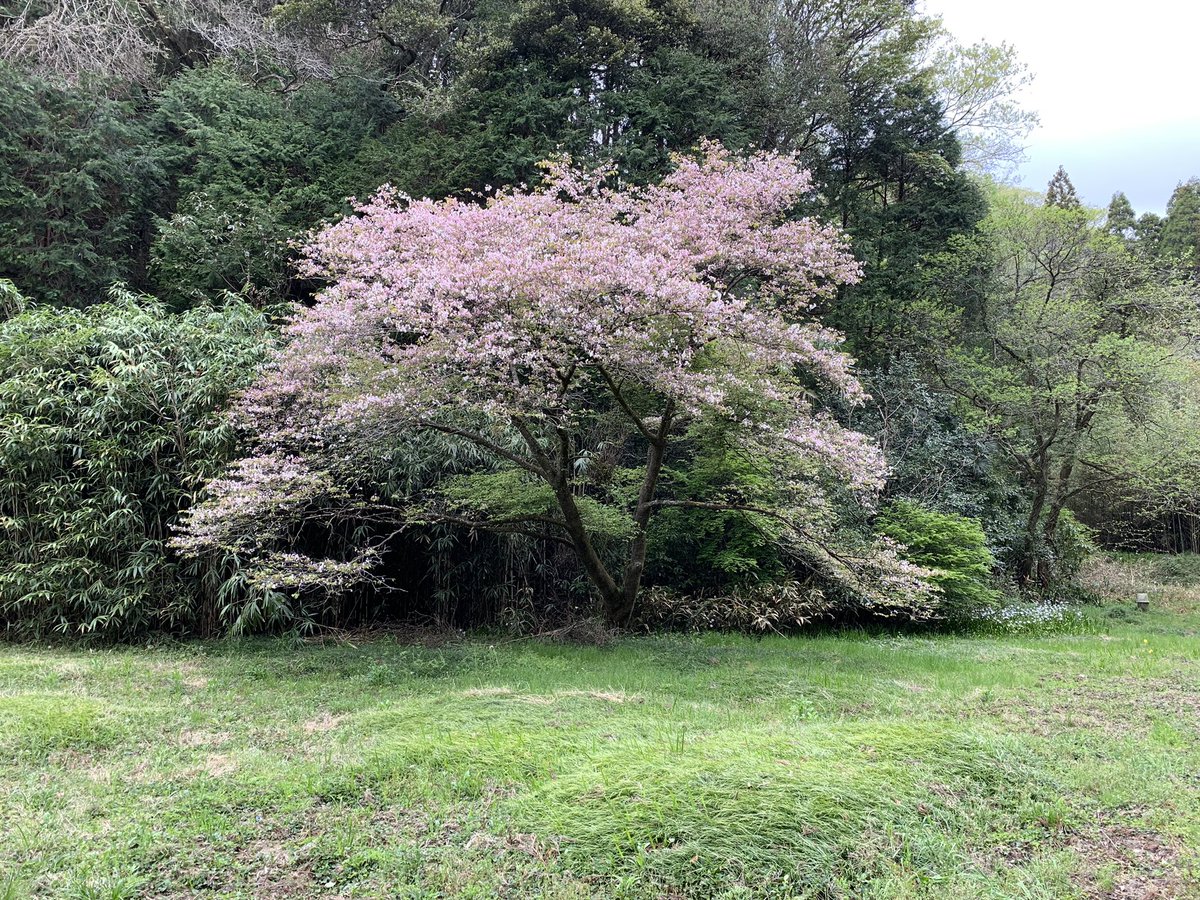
(1073, 335)
(541, 327)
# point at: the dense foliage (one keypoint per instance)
(553, 384)
(954, 547)
(1073, 336)
(109, 425)
(79, 186)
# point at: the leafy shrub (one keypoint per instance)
(1073, 543)
(109, 424)
(953, 546)
(711, 550)
(858, 581)
(937, 459)
(11, 300)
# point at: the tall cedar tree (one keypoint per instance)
(1061, 192)
(1121, 219)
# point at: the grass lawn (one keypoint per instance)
(1053, 763)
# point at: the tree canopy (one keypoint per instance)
(536, 313)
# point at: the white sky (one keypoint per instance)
(1117, 86)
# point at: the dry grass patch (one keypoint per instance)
(220, 765)
(1119, 578)
(191, 738)
(1123, 862)
(322, 723)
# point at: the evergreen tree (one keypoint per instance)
(1147, 231)
(602, 80)
(1181, 228)
(251, 170)
(907, 201)
(80, 181)
(1060, 192)
(1121, 219)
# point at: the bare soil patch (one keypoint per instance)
(1124, 862)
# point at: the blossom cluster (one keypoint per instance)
(696, 289)
(1019, 618)
(259, 498)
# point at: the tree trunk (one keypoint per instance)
(611, 594)
(617, 598)
(1062, 490)
(1028, 567)
(635, 565)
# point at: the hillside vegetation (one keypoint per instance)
(517, 313)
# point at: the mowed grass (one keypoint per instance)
(1054, 764)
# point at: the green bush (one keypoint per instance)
(707, 551)
(953, 546)
(938, 460)
(109, 424)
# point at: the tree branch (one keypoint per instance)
(478, 439)
(539, 452)
(621, 402)
(507, 526)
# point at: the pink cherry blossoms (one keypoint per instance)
(691, 289)
(508, 322)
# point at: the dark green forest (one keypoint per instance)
(1031, 361)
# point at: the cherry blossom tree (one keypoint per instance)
(511, 324)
